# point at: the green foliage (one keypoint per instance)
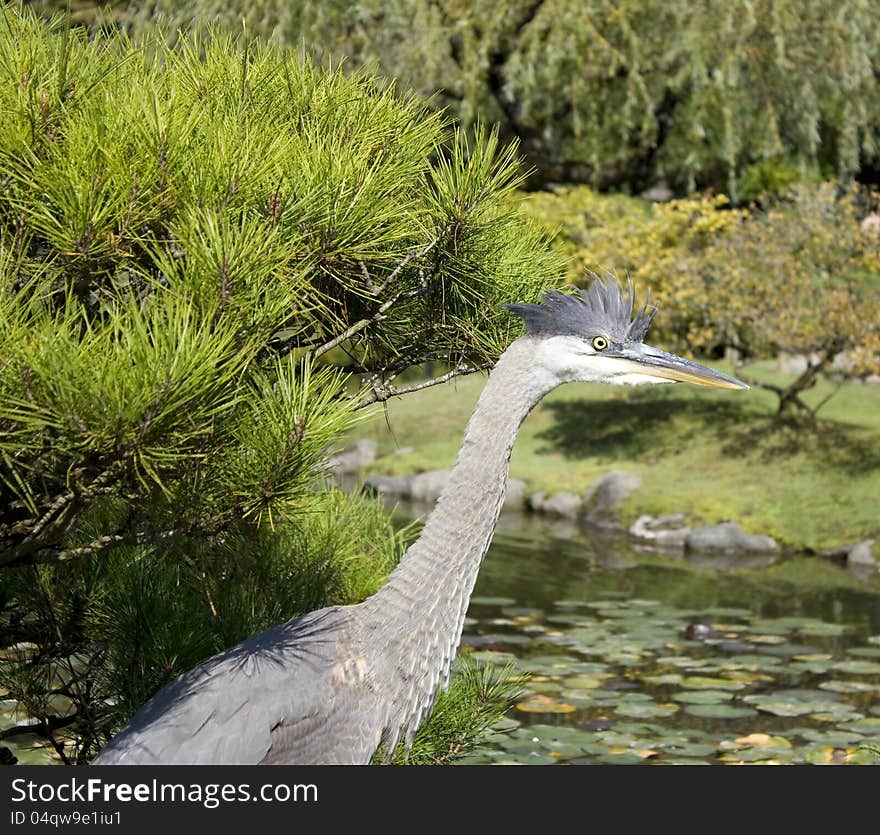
(478, 697)
(212, 256)
(620, 93)
(772, 179)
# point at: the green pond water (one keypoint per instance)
(641, 658)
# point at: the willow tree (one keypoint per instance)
(615, 93)
(212, 259)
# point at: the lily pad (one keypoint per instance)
(757, 756)
(832, 755)
(847, 686)
(544, 704)
(666, 678)
(820, 628)
(834, 736)
(864, 652)
(490, 656)
(585, 682)
(711, 683)
(720, 711)
(791, 703)
(703, 697)
(869, 726)
(755, 740)
(866, 668)
(645, 710)
(688, 749)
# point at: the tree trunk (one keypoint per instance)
(790, 403)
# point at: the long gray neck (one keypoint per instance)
(418, 615)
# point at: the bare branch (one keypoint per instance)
(382, 392)
(43, 728)
(57, 518)
(362, 324)
(97, 545)
(409, 257)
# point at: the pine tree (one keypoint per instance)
(213, 258)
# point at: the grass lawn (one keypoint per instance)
(718, 455)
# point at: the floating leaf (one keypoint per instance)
(847, 686)
(703, 697)
(719, 711)
(544, 704)
(666, 678)
(689, 749)
(791, 702)
(866, 668)
(829, 755)
(754, 740)
(865, 652)
(820, 628)
(711, 683)
(645, 710)
(869, 726)
(585, 682)
(766, 639)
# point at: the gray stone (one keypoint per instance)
(390, 485)
(667, 533)
(658, 193)
(861, 554)
(562, 505)
(601, 500)
(728, 536)
(426, 487)
(353, 459)
(535, 502)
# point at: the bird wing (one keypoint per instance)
(297, 693)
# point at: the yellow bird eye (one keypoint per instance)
(600, 343)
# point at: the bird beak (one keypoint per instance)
(645, 361)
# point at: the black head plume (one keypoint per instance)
(605, 308)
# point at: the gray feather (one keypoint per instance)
(604, 309)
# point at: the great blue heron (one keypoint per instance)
(333, 685)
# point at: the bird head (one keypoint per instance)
(592, 336)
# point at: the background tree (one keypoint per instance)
(618, 94)
(211, 259)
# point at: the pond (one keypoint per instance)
(642, 658)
